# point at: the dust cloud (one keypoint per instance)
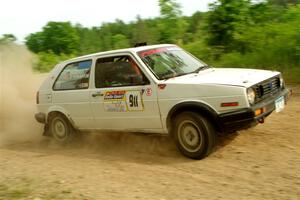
(18, 86)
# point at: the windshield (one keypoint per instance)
(168, 62)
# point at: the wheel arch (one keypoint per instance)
(193, 106)
(59, 110)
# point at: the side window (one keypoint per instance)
(118, 71)
(74, 76)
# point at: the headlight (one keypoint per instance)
(281, 81)
(251, 95)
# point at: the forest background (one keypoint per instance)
(232, 33)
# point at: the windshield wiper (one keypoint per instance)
(181, 74)
(168, 76)
(201, 68)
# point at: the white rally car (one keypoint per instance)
(156, 89)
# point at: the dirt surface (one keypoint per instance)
(260, 163)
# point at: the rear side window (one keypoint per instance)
(118, 71)
(74, 76)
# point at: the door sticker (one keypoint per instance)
(114, 101)
(123, 101)
(148, 91)
(114, 95)
(134, 101)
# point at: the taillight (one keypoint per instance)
(37, 98)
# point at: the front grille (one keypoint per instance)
(267, 88)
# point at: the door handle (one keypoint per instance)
(97, 94)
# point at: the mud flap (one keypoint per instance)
(46, 130)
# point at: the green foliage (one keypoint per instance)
(269, 41)
(169, 9)
(7, 38)
(171, 25)
(144, 31)
(89, 41)
(120, 41)
(47, 60)
(276, 44)
(233, 33)
(228, 20)
(283, 2)
(58, 37)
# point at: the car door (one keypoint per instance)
(123, 97)
(71, 93)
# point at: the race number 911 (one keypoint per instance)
(134, 101)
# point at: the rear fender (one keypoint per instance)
(61, 110)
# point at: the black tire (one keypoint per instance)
(194, 135)
(61, 129)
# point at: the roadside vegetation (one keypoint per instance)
(242, 33)
(34, 189)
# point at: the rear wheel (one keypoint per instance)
(194, 135)
(61, 129)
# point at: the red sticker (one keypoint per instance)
(152, 51)
(148, 91)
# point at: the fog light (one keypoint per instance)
(260, 111)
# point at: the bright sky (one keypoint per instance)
(22, 17)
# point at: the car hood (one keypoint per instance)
(225, 76)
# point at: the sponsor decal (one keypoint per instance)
(114, 95)
(123, 101)
(115, 106)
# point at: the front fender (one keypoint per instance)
(194, 106)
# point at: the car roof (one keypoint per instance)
(133, 50)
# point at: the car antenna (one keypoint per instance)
(140, 44)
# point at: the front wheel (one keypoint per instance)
(61, 129)
(194, 135)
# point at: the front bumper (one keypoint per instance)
(245, 118)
